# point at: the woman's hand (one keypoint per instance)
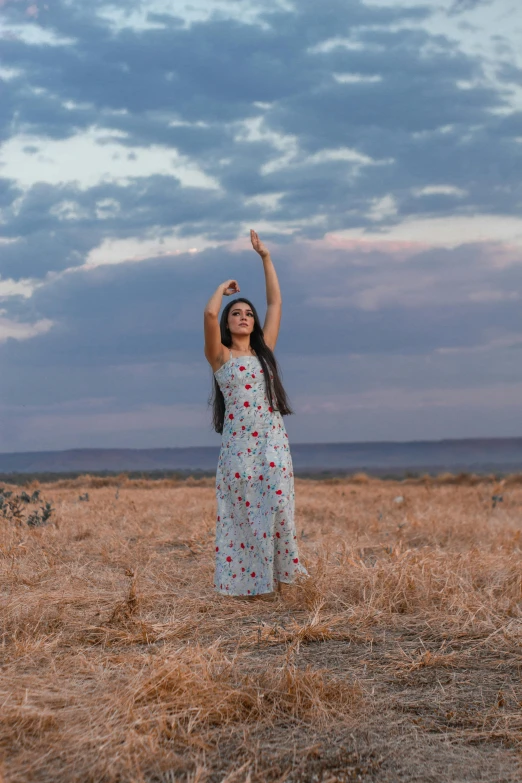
(230, 287)
(258, 246)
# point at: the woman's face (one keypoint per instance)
(241, 319)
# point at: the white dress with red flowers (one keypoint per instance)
(256, 542)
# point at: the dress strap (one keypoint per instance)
(230, 356)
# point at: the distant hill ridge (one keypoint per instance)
(473, 454)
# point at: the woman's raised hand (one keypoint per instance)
(258, 246)
(230, 287)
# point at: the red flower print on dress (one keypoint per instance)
(248, 386)
(237, 475)
(253, 573)
(278, 535)
(247, 503)
(279, 492)
(217, 549)
(246, 404)
(230, 416)
(272, 464)
(296, 559)
(233, 576)
(255, 434)
(243, 569)
(242, 546)
(242, 369)
(270, 409)
(260, 478)
(229, 559)
(264, 535)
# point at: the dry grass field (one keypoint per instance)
(399, 659)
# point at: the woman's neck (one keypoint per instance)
(241, 347)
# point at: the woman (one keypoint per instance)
(256, 542)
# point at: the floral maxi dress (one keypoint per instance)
(256, 542)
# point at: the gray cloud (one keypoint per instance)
(54, 228)
(360, 328)
(126, 340)
(460, 6)
(352, 301)
(214, 71)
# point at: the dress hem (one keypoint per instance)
(264, 592)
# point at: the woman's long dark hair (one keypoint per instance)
(275, 392)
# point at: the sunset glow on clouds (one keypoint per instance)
(376, 147)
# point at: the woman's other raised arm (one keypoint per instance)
(273, 293)
(213, 344)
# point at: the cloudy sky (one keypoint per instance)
(376, 146)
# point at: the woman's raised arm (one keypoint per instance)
(273, 293)
(213, 344)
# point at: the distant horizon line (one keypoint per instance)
(293, 443)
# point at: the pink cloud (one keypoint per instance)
(399, 248)
(31, 10)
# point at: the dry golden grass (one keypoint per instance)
(398, 660)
